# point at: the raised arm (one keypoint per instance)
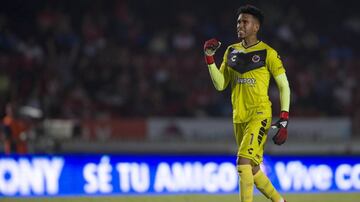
(219, 77)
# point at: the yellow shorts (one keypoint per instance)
(251, 138)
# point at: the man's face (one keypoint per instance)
(247, 25)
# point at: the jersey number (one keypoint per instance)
(252, 138)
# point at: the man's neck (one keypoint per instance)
(249, 41)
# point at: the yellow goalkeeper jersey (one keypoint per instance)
(248, 72)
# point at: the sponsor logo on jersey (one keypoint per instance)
(234, 54)
(234, 51)
(251, 81)
(250, 150)
(233, 58)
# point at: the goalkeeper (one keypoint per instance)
(247, 67)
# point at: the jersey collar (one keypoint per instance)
(251, 45)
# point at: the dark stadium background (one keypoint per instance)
(128, 77)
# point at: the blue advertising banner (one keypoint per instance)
(43, 175)
(314, 173)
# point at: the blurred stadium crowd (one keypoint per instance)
(118, 58)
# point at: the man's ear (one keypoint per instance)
(257, 27)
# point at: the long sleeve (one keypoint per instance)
(284, 89)
(217, 77)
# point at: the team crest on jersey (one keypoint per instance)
(255, 58)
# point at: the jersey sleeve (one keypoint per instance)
(274, 63)
(284, 89)
(224, 69)
(220, 77)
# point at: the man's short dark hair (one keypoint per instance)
(252, 10)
